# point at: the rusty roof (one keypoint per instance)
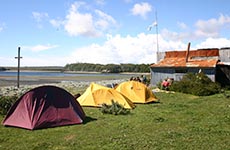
(196, 58)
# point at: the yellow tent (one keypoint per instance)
(95, 95)
(136, 91)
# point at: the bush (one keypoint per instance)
(6, 102)
(115, 109)
(196, 84)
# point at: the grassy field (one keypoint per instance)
(179, 121)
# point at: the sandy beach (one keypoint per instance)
(8, 81)
(12, 81)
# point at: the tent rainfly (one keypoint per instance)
(44, 107)
(137, 92)
(95, 95)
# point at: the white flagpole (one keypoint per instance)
(156, 24)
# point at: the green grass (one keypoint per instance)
(179, 121)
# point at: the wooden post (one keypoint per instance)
(187, 53)
(19, 57)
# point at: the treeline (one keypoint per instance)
(3, 69)
(108, 68)
(90, 67)
(35, 68)
(43, 68)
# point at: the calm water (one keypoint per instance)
(57, 74)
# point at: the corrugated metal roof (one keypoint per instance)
(224, 63)
(196, 58)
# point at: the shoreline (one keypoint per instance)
(11, 89)
(6, 80)
(8, 84)
(77, 72)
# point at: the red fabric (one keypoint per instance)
(43, 107)
(165, 83)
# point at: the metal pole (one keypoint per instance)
(157, 34)
(18, 66)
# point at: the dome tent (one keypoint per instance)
(44, 107)
(137, 92)
(95, 95)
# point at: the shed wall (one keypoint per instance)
(224, 55)
(159, 74)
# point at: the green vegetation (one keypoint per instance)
(43, 68)
(3, 69)
(179, 121)
(110, 68)
(197, 84)
(115, 109)
(89, 67)
(6, 102)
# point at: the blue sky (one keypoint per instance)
(113, 31)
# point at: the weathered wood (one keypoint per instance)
(187, 53)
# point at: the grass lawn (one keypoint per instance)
(179, 121)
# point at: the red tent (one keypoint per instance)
(44, 107)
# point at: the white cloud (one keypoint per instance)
(40, 16)
(94, 54)
(141, 9)
(203, 29)
(136, 49)
(118, 49)
(182, 25)
(211, 27)
(174, 36)
(8, 61)
(38, 48)
(57, 23)
(214, 43)
(82, 20)
(43, 60)
(80, 24)
(35, 60)
(104, 21)
(100, 2)
(2, 26)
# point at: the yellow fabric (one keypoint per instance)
(95, 95)
(137, 92)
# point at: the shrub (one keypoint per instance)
(197, 84)
(115, 109)
(6, 102)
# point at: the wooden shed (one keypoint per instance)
(214, 62)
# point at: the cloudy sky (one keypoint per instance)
(108, 31)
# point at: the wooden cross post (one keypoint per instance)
(19, 57)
